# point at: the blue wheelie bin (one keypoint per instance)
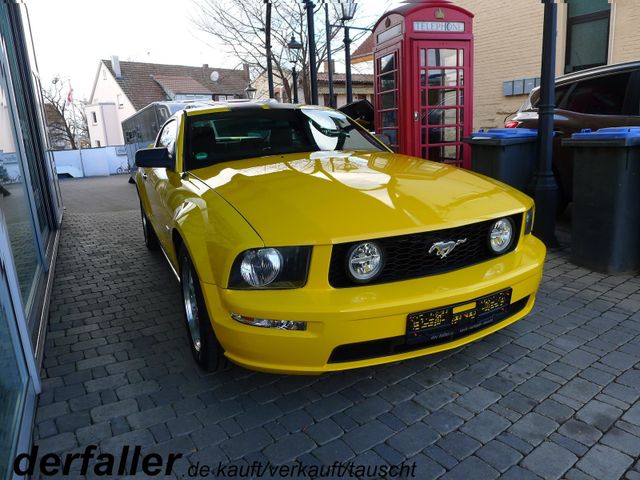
(506, 154)
(605, 234)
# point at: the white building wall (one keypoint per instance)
(107, 91)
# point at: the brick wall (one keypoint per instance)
(508, 36)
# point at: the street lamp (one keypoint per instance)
(544, 186)
(295, 49)
(250, 91)
(348, 10)
(313, 68)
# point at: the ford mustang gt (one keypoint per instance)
(304, 245)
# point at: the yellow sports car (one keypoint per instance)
(304, 245)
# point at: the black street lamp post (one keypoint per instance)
(544, 186)
(348, 12)
(332, 102)
(295, 48)
(313, 68)
(268, 48)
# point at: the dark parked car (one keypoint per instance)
(607, 96)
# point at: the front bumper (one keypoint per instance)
(338, 317)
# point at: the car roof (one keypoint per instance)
(205, 107)
(598, 71)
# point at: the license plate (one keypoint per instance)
(444, 322)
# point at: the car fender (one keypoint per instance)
(214, 233)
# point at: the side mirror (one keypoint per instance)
(154, 158)
(383, 138)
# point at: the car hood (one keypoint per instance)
(334, 197)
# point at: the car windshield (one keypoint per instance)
(246, 133)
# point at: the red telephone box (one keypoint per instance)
(423, 65)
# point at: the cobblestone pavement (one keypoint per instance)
(553, 396)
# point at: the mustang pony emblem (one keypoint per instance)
(443, 249)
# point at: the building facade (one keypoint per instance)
(508, 46)
(30, 215)
(121, 88)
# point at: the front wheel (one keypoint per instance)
(205, 348)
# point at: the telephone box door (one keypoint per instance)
(441, 101)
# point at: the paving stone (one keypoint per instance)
(519, 473)
(633, 414)
(604, 462)
(436, 397)
(93, 433)
(538, 388)
(498, 455)
(580, 431)
(247, 442)
(366, 436)
(549, 460)
(622, 441)
(289, 448)
(458, 445)
(426, 467)
(554, 410)
(113, 410)
(324, 431)
(443, 421)
(580, 389)
(183, 425)
(478, 399)
(471, 467)
(599, 415)
(58, 443)
(413, 439)
(334, 451)
(485, 426)
(533, 428)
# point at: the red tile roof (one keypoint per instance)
(365, 49)
(356, 78)
(139, 85)
(181, 84)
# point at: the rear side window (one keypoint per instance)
(600, 96)
(534, 99)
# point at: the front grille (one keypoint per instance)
(352, 352)
(407, 256)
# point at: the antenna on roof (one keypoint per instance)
(214, 76)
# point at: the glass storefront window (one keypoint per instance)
(13, 381)
(14, 200)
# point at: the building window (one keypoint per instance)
(119, 101)
(98, 144)
(587, 34)
(94, 118)
(104, 73)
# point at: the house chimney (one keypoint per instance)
(247, 76)
(326, 66)
(205, 65)
(115, 63)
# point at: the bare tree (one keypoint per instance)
(240, 26)
(66, 126)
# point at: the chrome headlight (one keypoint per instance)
(364, 261)
(284, 267)
(501, 235)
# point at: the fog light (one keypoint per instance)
(264, 323)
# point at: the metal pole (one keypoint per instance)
(347, 60)
(332, 102)
(268, 44)
(294, 73)
(313, 69)
(75, 130)
(544, 186)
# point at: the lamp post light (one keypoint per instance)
(250, 91)
(313, 68)
(348, 12)
(295, 49)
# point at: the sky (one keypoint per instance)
(72, 36)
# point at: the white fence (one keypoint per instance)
(91, 162)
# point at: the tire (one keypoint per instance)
(150, 237)
(205, 348)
